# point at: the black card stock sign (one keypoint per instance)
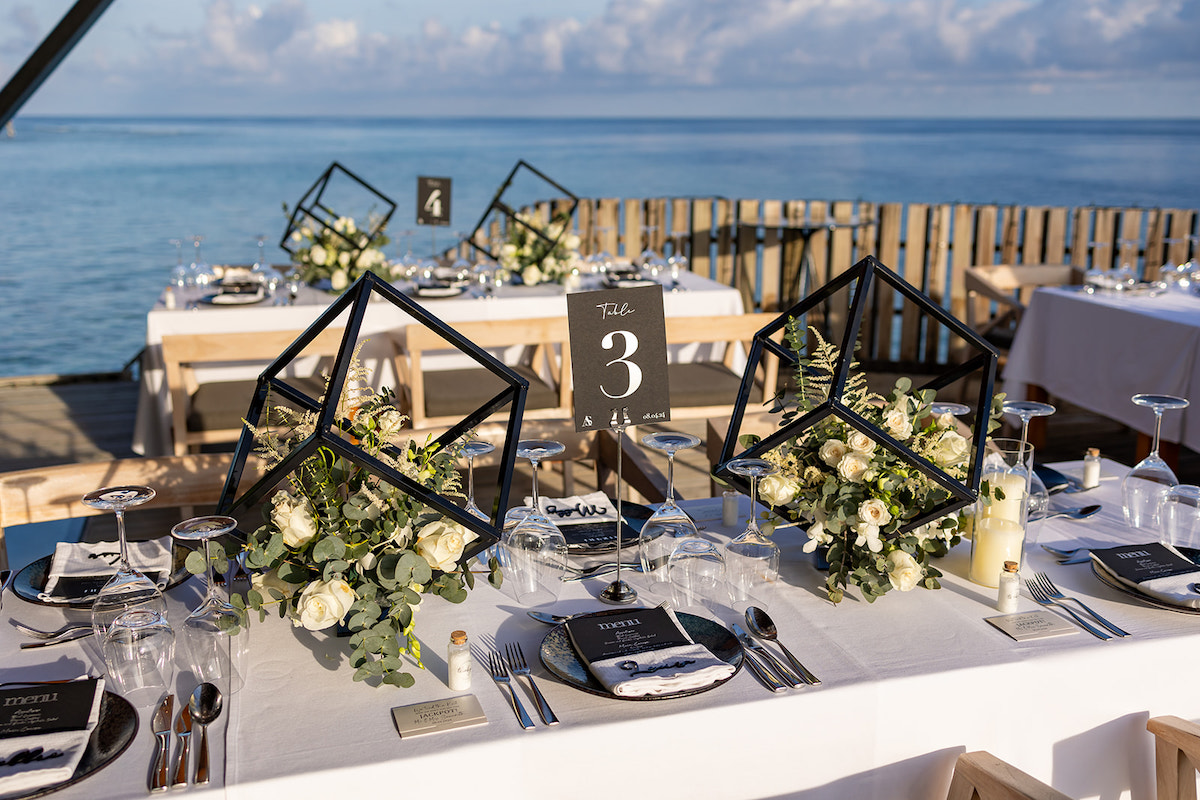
(619, 357)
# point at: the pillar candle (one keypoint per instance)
(995, 541)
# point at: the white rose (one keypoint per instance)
(296, 237)
(531, 275)
(571, 242)
(323, 603)
(874, 511)
(906, 573)
(816, 537)
(947, 421)
(316, 254)
(262, 581)
(859, 442)
(441, 543)
(852, 467)
(777, 490)
(390, 423)
(950, 449)
(294, 519)
(508, 251)
(343, 259)
(339, 280)
(832, 451)
(897, 424)
(868, 535)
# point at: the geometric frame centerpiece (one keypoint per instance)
(504, 206)
(356, 301)
(848, 295)
(305, 214)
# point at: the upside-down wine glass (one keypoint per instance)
(473, 448)
(179, 273)
(534, 549)
(215, 637)
(669, 525)
(751, 559)
(1039, 497)
(1151, 478)
(128, 588)
(202, 274)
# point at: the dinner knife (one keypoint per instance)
(763, 674)
(160, 726)
(766, 656)
(183, 730)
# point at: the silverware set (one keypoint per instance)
(499, 666)
(203, 708)
(765, 664)
(1045, 593)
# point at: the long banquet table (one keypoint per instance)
(1098, 350)
(908, 683)
(696, 296)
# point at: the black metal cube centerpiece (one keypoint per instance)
(528, 183)
(314, 210)
(839, 310)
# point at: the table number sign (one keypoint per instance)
(433, 201)
(619, 357)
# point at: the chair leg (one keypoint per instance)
(1176, 777)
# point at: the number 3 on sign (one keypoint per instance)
(609, 342)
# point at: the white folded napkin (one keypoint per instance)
(676, 668)
(576, 509)
(1174, 590)
(29, 763)
(88, 559)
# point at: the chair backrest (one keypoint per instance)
(53, 493)
(998, 293)
(735, 331)
(547, 351)
(982, 776)
(1176, 756)
(183, 353)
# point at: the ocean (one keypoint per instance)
(90, 205)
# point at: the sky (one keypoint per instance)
(638, 58)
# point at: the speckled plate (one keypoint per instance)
(30, 581)
(560, 658)
(114, 732)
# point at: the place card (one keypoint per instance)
(436, 716)
(1138, 563)
(44, 708)
(1028, 625)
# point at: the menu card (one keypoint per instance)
(46, 708)
(598, 638)
(44, 732)
(1138, 563)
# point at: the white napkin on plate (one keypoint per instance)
(86, 559)
(654, 672)
(1175, 590)
(576, 509)
(30, 775)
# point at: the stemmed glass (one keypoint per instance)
(215, 637)
(1125, 276)
(953, 409)
(1151, 478)
(179, 273)
(202, 275)
(677, 263)
(1039, 498)
(473, 448)
(128, 588)
(751, 559)
(535, 549)
(669, 525)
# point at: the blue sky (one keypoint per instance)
(808, 58)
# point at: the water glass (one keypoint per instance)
(1179, 518)
(696, 570)
(139, 655)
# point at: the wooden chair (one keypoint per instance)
(997, 295)
(1176, 757)
(982, 776)
(211, 412)
(710, 388)
(440, 398)
(52, 493)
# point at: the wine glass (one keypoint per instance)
(473, 448)
(953, 409)
(294, 282)
(139, 655)
(1145, 485)
(751, 559)
(1125, 276)
(215, 637)
(128, 588)
(202, 274)
(670, 524)
(1039, 498)
(534, 549)
(179, 273)
(677, 264)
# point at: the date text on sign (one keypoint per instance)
(619, 356)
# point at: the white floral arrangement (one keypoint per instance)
(342, 546)
(535, 259)
(854, 494)
(339, 251)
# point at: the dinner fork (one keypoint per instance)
(1052, 592)
(1042, 599)
(520, 668)
(1058, 552)
(500, 676)
(39, 634)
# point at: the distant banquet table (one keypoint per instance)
(696, 296)
(1098, 350)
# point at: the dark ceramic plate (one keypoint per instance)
(560, 658)
(79, 592)
(114, 731)
(599, 538)
(1108, 580)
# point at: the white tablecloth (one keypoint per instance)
(909, 683)
(698, 296)
(1098, 350)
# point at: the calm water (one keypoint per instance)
(89, 205)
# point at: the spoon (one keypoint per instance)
(764, 627)
(550, 619)
(205, 706)
(1072, 513)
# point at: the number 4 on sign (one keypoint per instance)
(618, 352)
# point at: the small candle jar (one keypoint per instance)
(458, 660)
(1091, 468)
